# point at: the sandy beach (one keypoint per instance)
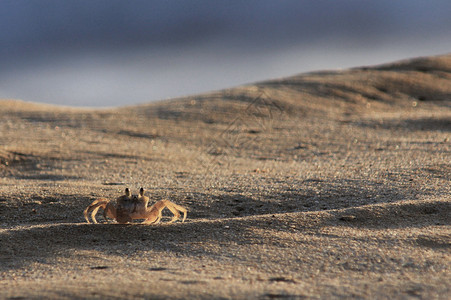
(331, 185)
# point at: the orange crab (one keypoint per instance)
(131, 207)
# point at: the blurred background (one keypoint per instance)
(116, 52)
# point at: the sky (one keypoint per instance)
(103, 53)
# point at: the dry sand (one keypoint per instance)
(322, 185)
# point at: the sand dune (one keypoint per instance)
(334, 184)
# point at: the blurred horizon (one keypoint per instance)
(102, 53)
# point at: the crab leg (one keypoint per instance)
(154, 213)
(109, 209)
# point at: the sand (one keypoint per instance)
(332, 184)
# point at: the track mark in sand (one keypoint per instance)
(156, 269)
(188, 282)
(99, 267)
(283, 296)
(282, 279)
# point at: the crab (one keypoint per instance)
(131, 207)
